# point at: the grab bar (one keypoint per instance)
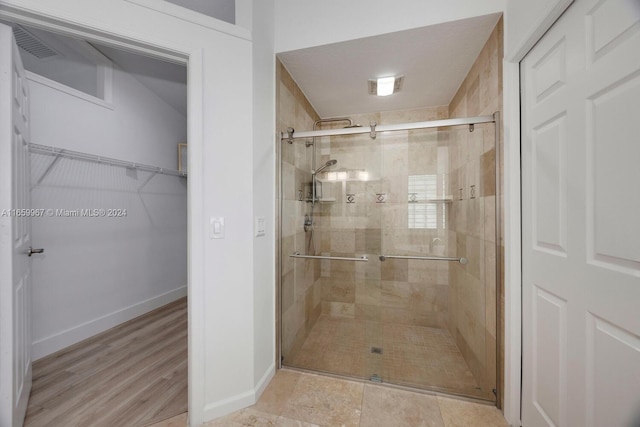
(462, 261)
(337, 258)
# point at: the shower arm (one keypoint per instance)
(329, 120)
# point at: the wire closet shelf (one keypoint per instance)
(70, 154)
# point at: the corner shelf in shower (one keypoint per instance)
(431, 201)
(323, 200)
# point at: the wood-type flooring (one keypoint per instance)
(134, 374)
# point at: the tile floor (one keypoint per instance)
(414, 356)
(296, 399)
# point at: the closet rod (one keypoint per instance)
(61, 152)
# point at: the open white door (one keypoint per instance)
(581, 219)
(15, 236)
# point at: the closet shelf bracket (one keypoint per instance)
(46, 172)
(147, 181)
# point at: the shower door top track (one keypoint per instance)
(391, 127)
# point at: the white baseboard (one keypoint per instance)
(53, 343)
(224, 407)
(264, 381)
(239, 401)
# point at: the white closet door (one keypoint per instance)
(581, 219)
(15, 236)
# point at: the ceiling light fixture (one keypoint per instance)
(385, 86)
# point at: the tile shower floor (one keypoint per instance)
(414, 356)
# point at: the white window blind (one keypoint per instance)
(422, 213)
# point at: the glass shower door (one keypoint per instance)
(329, 301)
(350, 227)
(414, 289)
(438, 275)
(374, 235)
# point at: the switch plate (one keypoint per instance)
(260, 226)
(216, 227)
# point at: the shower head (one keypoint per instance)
(326, 165)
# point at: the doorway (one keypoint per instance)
(89, 149)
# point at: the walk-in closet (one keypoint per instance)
(107, 144)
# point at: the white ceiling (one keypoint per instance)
(167, 80)
(434, 61)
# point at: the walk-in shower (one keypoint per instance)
(388, 253)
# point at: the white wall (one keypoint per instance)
(221, 9)
(78, 74)
(140, 127)
(302, 24)
(264, 195)
(527, 21)
(99, 272)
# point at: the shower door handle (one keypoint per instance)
(32, 251)
(426, 258)
(336, 258)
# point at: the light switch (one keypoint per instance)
(216, 227)
(260, 226)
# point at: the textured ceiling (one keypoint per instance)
(434, 61)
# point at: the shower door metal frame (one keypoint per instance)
(291, 135)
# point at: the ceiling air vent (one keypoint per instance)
(373, 87)
(31, 44)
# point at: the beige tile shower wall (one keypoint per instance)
(300, 292)
(395, 291)
(472, 299)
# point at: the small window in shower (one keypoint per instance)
(423, 211)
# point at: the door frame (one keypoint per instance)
(512, 208)
(50, 20)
